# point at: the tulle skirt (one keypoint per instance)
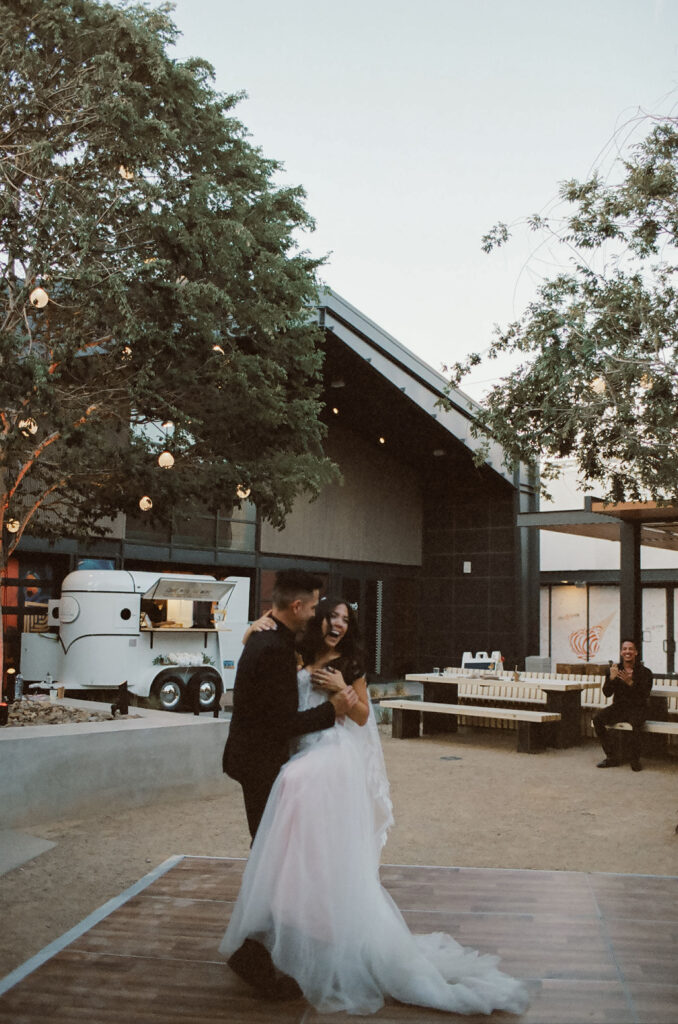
(311, 894)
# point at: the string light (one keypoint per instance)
(28, 426)
(124, 173)
(13, 525)
(165, 460)
(145, 503)
(242, 491)
(598, 385)
(38, 298)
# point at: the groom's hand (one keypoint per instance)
(343, 701)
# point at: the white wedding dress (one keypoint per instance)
(311, 892)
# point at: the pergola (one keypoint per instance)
(632, 523)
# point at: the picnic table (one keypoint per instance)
(563, 696)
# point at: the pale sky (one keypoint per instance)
(415, 126)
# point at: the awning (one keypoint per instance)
(188, 590)
(658, 523)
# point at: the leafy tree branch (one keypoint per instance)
(597, 348)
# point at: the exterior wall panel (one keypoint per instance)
(374, 515)
(476, 610)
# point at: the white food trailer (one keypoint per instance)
(162, 633)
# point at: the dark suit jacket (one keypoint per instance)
(265, 716)
(632, 696)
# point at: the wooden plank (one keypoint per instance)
(665, 728)
(472, 712)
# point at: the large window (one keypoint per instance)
(230, 530)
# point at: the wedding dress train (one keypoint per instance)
(311, 892)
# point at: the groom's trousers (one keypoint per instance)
(255, 793)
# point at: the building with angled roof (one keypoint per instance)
(422, 539)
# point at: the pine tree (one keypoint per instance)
(149, 274)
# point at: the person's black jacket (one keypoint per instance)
(265, 700)
(634, 696)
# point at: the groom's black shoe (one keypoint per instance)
(252, 962)
(286, 989)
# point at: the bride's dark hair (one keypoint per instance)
(351, 661)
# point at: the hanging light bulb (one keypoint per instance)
(167, 425)
(126, 353)
(145, 503)
(28, 426)
(218, 348)
(124, 173)
(382, 440)
(598, 385)
(242, 491)
(38, 298)
(165, 460)
(13, 525)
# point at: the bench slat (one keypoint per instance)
(470, 711)
(501, 696)
(667, 728)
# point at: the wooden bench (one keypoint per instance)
(662, 733)
(532, 726)
(665, 729)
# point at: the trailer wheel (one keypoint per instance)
(209, 684)
(169, 692)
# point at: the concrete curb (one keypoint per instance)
(50, 772)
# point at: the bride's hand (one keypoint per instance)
(265, 622)
(260, 625)
(329, 679)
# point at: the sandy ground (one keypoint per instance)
(467, 800)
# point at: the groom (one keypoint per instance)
(265, 719)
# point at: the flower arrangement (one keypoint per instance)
(182, 659)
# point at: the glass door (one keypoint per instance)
(655, 647)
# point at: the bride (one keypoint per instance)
(311, 892)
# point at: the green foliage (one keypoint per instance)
(166, 659)
(598, 347)
(177, 292)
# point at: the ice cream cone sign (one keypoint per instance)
(585, 643)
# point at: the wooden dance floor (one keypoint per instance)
(592, 947)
